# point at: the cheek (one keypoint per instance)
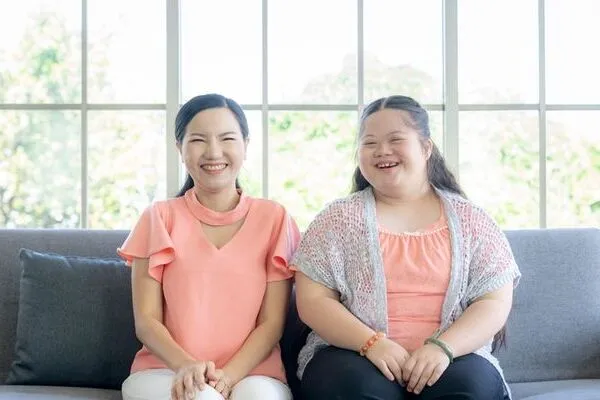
(237, 153)
(189, 154)
(363, 157)
(364, 161)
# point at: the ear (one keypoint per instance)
(428, 148)
(246, 142)
(178, 145)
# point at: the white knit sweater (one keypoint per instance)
(340, 250)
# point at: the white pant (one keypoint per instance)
(155, 384)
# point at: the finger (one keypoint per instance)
(407, 369)
(220, 386)
(178, 389)
(385, 370)
(415, 376)
(395, 369)
(200, 376)
(211, 371)
(436, 375)
(425, 375)
(226, 392)
(189, 385)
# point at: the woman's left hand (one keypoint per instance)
(221, 382)
(424, 367)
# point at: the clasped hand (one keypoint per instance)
(195, 376)
(423, 367)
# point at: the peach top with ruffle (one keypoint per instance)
(212, 296)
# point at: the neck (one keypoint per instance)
(405, 196)
(224, 200)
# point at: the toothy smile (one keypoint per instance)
(386, 164)
(214, 167)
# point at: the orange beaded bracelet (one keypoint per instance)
(372, 340)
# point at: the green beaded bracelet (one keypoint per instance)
(441, 345)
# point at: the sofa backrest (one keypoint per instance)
(91, 243)
(554, 327)
(553, 330)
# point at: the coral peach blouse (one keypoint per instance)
(212, 296)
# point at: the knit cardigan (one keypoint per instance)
(341, 251)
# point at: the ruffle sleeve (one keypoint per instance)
(284, 244)
(150, 239)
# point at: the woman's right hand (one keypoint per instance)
(191, 377)
(389, 357)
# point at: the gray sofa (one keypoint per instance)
(553, 350)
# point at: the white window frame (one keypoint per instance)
(451, 106)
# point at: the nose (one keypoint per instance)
(382, 149)
(213, 149)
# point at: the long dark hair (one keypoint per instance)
(200, 103)
(438, 173)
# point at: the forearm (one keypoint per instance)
(476, 326)
(256, 348)
(332, 321)
(155, 336)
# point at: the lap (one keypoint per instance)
(339, 373)
(468, 377)
(155, 384)
(259, 387)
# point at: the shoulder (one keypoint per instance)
(474, 218)
(166, 207)
(343, 211)
(267, 207)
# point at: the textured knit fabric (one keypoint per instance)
(417, 273)
(213, 296)
(340, 250)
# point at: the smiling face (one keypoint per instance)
(213, 149)
(392, 154)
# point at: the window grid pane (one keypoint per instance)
(571, 202)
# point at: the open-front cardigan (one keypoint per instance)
(340, 250)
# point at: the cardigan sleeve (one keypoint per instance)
(320, 252)
(492, 263)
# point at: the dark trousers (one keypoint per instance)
(335, 373)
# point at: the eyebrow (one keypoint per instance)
(387, 134)
(201, 134)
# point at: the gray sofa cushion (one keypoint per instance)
(75, 324)
(56, 393)
(583, 389)
(89, 242)
(554, 327)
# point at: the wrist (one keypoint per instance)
(370, 342)
(442, 346)
(232, 375)
(184, 362)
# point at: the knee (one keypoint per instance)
(471, 377)
(208, 393)
(350, 376)
(148, 385)
(260, 388)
